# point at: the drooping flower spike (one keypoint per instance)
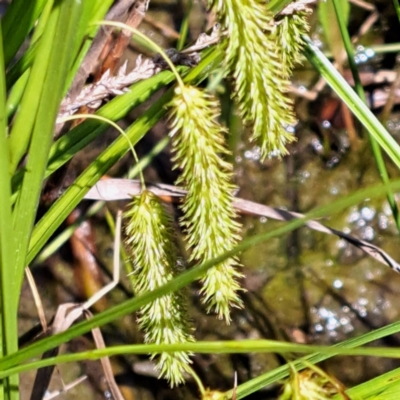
(259, 55)
(164, 320)
(209, 217)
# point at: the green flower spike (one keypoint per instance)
(209, 217)
(260, 57)
(164, 321)
(289, 39)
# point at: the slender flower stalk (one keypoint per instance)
(261, 68)
(209, 217)
(164, 320)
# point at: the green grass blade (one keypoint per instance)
(9, 326)
(79, 137)
(331, 28)
(18, 21)
(23, 64)
(16, 93)
(18, 75)
(280, 373)
(355, 104)
(377, 388)
(184, 26)
(224, 347)
(75, 140)
(20, 134)
(7, 251)
(397, 7)
(59, 36)
(376, 150)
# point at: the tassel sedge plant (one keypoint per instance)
(209, 216)
(164, 320)
(260, 54)
(198, 139)
(209, 219)
(198, 144)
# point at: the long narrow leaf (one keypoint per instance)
(377, 386)
(21, 131)
(355, 104)
(340, 9)
(17, 77)
(9, 326)
(75, 140)
(79, 137)
(60, 36)
(283, 372)
(21, 66)
(18, 21)
(7, 251)
(217, 347)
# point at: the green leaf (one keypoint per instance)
(348, 348)
(355, 104)
(7, 251)
(277, 374)
(21, 65)
(9, 326)
(51, 65)
(377, 388)
(76, 139)
(18, 21)
(330, 26)
(376, 150)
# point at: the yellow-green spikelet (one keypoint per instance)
(259, 55)
(164, 320)
(209, 217)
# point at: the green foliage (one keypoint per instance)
(164, 320)
(260, 55)
(209, 217)
(37, 108)
(330, 25)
